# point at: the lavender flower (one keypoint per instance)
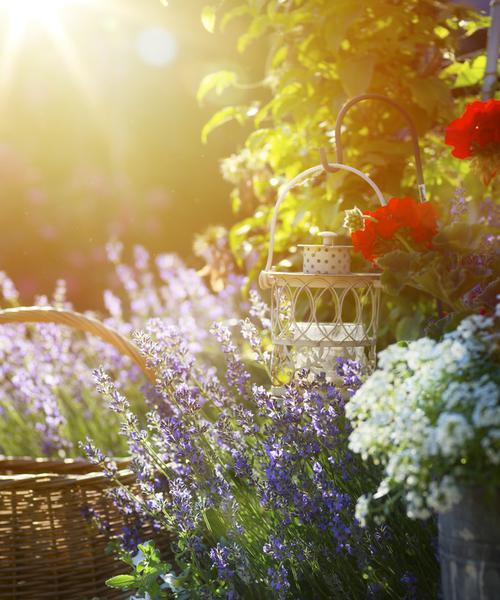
(47, 390)
(260, 487)
(220, 556)
(259, 310)
(410, 583)
(278, 581)
(236, 374)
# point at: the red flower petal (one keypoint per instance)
(478, 127)
(364, 240)
(404, 210)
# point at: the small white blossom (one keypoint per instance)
(487, 410)
(429, 415)
(443, 495)
(362, 509)
(452, 433)
(491, 446)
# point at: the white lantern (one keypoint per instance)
(325, 311)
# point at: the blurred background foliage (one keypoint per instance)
(100, 136)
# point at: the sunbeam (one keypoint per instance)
(20, 17)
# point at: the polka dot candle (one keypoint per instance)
(327, 258)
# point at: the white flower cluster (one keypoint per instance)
(430, 416)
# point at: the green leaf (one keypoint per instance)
(409, 328)
(225, 115)
(122, 582)
(345, 16)
(238, 11)
(355, 73)
(463, 238)
(208, 18)
(279, 56)
(441, 32)
(218, 81)
(284, 103)
(472, 72)
(467, 73)
(397, 267)
(429, 93)
(215, 523)
(235, 200)
(430, 279)
(257, 27)
(438, 328)
(262, 114)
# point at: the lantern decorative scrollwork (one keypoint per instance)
(326, 311)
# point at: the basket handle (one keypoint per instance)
(80, 322)
(409, 120)
(292, 183)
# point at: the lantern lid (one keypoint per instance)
(331, 238)
(335, 238)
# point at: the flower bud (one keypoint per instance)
(354, 220)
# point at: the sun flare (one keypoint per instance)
(22, 12)
(21, 18)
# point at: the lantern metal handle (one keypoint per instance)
(292, 183)
(402, 111)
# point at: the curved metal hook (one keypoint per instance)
(402, 111)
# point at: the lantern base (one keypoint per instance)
(289, 359)
(324, 360)
(331, 334)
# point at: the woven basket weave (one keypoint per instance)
(48, 548)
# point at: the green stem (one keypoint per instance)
(406, 245)
(447, 301)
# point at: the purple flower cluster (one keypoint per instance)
(236, 374)
(47, 392)
(256, 489)
(410, 583)
(220, 556)
(302, 450)
(278, 581)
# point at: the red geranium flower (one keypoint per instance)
(478, 127)
(364, 239)
(400, 218)
(419, 217)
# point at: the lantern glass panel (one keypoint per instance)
(316, 320)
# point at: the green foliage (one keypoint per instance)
(461, 259)
(216, 81)
(469, 72)
(208, 18)
(224, 115)
(461, 237)
(148, 574)
(321, 53)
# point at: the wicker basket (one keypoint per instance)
(48, 548)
